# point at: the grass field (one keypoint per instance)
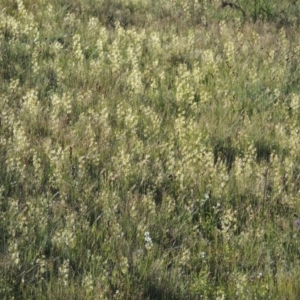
(149, 149)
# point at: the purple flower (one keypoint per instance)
(297, 222)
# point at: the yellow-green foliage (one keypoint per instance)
(149, 149)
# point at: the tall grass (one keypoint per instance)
(149, 149)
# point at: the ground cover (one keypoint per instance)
(149, 149)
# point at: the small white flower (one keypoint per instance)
(206, 198)
(148, 240)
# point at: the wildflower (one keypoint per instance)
(206, 198)
(148, 240)
(297, 222)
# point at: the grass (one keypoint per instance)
(149, 149)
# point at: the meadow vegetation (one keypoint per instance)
(149, 149)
